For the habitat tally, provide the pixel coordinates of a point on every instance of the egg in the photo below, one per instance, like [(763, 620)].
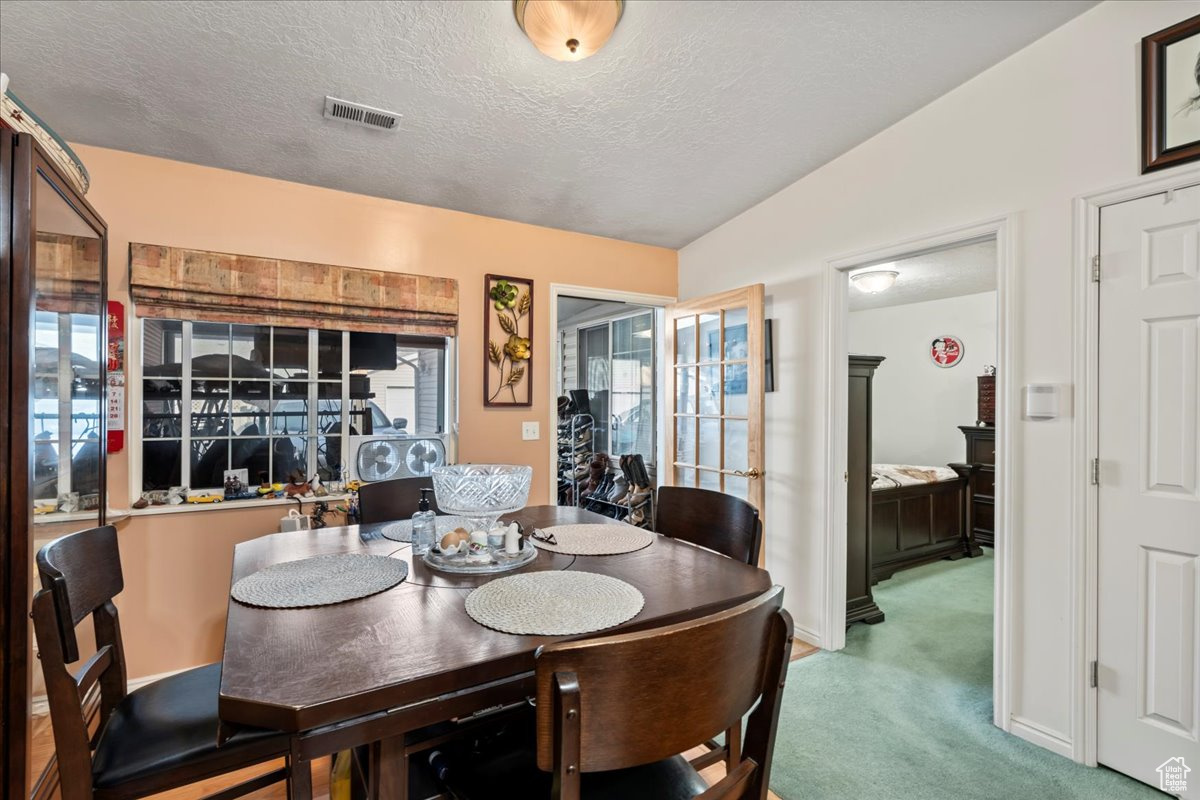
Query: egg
[(451, 541)]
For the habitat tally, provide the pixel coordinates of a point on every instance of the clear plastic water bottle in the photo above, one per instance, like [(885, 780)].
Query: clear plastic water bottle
[(424, 526)]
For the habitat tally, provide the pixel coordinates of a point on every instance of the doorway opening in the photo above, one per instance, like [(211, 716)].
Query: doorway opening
[(920, 432), (921, 418), (606, 420)]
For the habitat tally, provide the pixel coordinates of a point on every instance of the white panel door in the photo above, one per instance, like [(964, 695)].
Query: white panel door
[(1149, 494)]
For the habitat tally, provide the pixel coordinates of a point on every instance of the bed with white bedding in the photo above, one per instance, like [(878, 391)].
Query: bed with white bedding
[(918, 515)]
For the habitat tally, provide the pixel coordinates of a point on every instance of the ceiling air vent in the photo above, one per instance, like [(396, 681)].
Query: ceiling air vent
[(358, 114)]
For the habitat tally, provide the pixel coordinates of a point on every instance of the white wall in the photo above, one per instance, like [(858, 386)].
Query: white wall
[(918, 405), (1057, 120)]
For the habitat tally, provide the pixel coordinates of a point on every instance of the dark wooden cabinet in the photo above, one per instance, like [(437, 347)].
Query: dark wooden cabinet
[(860, 603), (53, 316), (981, 454)]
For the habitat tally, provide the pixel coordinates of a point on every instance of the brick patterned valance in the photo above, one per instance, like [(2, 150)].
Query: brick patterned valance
[(67, 279), (177, 283)]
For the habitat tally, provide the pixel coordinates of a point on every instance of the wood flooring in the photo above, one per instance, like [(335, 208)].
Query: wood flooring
[(43, 748)]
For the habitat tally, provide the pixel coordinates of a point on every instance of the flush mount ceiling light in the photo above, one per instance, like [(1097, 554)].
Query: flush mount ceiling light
[(568, 30), (874, 281)]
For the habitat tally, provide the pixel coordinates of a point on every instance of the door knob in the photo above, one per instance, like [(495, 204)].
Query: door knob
[(752, 473)]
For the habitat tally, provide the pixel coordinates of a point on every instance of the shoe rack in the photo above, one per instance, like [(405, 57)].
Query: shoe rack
[(627, 495), (574, 455)]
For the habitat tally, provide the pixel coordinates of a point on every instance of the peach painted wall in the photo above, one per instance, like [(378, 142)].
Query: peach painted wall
[(177, 566)]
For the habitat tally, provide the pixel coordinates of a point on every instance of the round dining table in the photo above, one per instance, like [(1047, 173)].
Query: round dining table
[(369, 671)]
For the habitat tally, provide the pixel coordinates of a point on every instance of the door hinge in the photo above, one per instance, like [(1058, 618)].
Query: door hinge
[(1095, 477), (1096, 268), (1094, 674)]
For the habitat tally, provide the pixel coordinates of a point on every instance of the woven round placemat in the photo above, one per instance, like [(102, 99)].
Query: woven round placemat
[(319, 581), (554, 603), (401, 530), (590, 539)]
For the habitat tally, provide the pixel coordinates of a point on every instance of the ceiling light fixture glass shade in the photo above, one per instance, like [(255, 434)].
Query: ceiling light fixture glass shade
[(568, 30), (875, 281)]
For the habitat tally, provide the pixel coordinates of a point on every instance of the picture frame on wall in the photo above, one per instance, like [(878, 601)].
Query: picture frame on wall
[(1171, 96), (508, 341)]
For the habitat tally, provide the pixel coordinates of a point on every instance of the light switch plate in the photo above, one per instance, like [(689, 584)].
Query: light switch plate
[(530, 431)]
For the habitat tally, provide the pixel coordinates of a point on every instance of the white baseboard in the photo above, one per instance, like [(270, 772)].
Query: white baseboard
[(1042, 736), (805, 634), (41, 705)]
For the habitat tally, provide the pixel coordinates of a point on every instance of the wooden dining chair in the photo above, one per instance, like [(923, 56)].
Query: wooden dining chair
[(158, 737), (384, 501), (613, 712), (724, 524), (720, 522)]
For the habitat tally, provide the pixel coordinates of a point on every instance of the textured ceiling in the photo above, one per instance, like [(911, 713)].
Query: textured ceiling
[(967, 269), (694, 112)]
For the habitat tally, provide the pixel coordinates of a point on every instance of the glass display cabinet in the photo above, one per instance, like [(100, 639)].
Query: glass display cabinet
[(53, 315)]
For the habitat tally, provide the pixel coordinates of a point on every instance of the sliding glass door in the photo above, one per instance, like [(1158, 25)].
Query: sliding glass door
[(614, 362)]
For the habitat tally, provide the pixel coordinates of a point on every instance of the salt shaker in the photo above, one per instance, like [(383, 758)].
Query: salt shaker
[(512, 539)]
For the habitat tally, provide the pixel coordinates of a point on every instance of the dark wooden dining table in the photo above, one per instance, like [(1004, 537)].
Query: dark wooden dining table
[(370, 670)]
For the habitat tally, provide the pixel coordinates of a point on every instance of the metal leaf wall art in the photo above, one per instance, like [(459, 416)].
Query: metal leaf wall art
[(508, 328)]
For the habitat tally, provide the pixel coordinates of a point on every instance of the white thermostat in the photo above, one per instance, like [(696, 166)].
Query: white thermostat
[(1041, 401)]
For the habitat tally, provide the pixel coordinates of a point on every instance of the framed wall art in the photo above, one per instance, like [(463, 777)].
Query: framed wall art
[(508, 334), (1171, 96)]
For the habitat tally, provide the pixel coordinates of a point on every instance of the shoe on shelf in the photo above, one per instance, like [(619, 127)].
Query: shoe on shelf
[(638, 495), (601, 492), (619, 489), (635, 517), (637, 466), (630, 478)]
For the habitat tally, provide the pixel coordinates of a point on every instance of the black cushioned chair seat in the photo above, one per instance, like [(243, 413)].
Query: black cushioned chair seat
[(170, 724), (511, 773)]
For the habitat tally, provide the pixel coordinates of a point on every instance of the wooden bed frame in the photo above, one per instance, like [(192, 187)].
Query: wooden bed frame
[(913, 525)]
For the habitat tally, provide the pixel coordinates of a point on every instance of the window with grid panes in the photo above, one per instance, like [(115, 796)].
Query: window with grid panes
[(277, 402)]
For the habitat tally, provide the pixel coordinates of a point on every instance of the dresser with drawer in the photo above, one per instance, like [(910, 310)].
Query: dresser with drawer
[(981, 452)]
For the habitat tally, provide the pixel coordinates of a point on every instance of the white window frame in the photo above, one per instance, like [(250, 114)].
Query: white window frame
[(134, 419)]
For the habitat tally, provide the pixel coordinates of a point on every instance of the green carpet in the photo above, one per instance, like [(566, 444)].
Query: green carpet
[(904, 712)]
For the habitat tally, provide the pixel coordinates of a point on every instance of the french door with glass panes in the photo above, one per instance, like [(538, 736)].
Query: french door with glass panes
[(715, 394)]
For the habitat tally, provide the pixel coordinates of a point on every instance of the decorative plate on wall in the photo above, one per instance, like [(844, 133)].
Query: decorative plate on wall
[(946, 351)]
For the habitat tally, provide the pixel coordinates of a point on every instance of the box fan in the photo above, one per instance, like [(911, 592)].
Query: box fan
[(384, 459)]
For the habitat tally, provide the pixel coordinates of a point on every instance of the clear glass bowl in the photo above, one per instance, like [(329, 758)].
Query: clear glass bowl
[(481, 492)]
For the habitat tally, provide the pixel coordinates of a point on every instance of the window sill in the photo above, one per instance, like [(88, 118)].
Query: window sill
[(65, 516), (184, 508)]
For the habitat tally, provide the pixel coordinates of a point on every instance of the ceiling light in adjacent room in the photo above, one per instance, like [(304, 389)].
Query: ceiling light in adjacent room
[(568, 30), (874, 281)]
